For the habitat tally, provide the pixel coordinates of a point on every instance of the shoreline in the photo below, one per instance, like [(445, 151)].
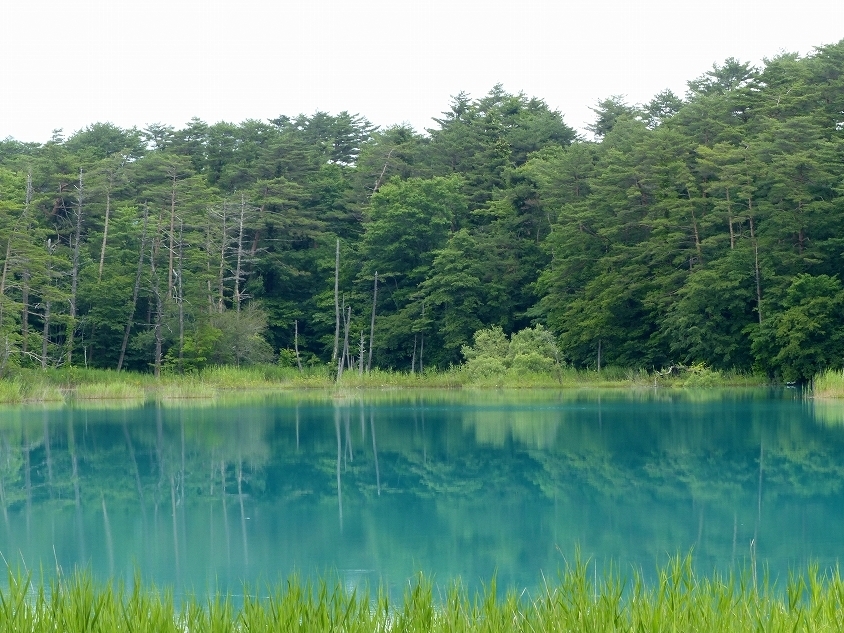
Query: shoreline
[(80, 385)]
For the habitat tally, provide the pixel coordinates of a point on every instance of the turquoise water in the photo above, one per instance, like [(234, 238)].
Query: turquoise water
[(377, 487)]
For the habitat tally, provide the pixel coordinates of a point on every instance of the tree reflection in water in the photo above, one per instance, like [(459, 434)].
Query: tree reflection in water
[(453, 484)]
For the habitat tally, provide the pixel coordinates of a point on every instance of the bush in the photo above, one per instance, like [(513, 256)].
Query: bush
[(532, 350)]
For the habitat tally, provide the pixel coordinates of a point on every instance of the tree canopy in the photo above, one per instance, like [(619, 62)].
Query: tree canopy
[(697, 229)]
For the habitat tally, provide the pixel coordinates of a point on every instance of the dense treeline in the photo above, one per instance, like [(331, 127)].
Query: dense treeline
[(703, 229)]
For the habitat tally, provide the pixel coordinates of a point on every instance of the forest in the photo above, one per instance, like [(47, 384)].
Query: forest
[(703, 229)]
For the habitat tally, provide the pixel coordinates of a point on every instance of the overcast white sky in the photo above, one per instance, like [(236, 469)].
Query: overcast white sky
[(69, 63)]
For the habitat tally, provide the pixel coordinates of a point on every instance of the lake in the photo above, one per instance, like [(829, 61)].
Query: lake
[(202, 496)]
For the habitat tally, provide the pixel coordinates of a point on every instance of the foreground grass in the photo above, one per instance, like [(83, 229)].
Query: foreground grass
[(829, 384), (679, 600), (58, 385)]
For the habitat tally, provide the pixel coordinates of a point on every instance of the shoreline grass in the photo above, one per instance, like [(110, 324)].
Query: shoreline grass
[(829, 384), (679, 599), (95, 385)]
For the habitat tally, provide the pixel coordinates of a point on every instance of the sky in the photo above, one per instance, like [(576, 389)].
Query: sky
[(70, 63)]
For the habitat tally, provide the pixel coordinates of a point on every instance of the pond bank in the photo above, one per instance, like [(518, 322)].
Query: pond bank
[(59, 385)]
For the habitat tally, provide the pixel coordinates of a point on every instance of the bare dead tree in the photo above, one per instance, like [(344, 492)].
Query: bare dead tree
[(156, 291), (222, 267), (342, 359), (422, 342), (241, 256), (380, 178), (336, 301), (180, 295), (111, 174), (173, 174), (74, 271), (296, 343), (46, 306), (413, 358)]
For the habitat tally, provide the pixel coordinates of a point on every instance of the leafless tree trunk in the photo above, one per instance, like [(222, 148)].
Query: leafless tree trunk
[(342, 359), (238, 271), (180, 296), (105, 223), (209, 248), (422, 342), (222, 270), (296, 343), (380, 178), (159, 308), (372, 322), (135, 291), (360, 355), (413, 358), (74, 271), (173, 174), (599, 356), (25, 277), (45, 334), (336, 301)]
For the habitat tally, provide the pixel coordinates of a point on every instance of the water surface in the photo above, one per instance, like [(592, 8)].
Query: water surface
[(381, 485)]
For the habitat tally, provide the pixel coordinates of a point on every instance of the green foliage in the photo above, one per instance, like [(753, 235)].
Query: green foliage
[(240, 340), (808, 335), (531, 351)]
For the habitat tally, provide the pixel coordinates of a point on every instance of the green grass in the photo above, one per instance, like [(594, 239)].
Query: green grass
[(98, 385), (678, 600), (829, 384)]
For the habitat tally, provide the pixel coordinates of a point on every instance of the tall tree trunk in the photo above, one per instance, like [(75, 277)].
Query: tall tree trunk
[(135, 290), (239, 259), (159, 308), (296, 343), (372, 322), (336, 301), (342, 357), (222, 270), (599, 356), (173, 173), (422, 341), (45, 333), (695, 230), (26, 274), (208, 276), (180, 296), (74, 271), (105, 223), (346, 327)]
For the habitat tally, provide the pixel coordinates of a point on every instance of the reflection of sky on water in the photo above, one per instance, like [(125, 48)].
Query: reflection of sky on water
[(456, 485)]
